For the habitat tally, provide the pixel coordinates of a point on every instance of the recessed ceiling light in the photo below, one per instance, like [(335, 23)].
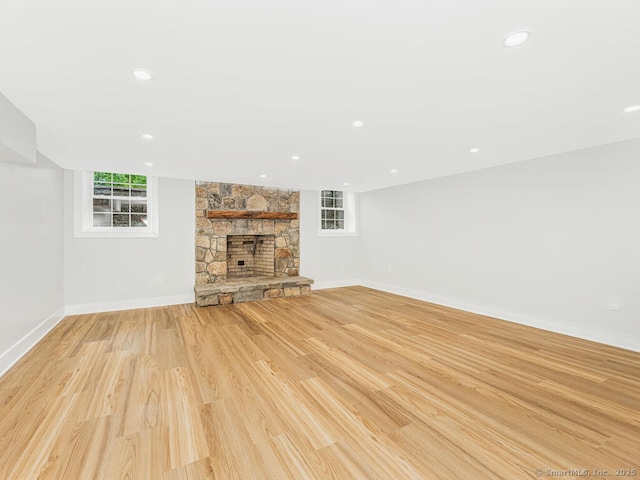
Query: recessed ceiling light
[(346, 184), (295, 157), (147, 136), (141, 74), (262, 175), (394, 170), (516, 38), (148, 164), (358, 124), (632, 108), (474, 150)]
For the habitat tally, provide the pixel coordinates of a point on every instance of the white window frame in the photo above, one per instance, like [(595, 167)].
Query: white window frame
[(350, 205), (83, 211)]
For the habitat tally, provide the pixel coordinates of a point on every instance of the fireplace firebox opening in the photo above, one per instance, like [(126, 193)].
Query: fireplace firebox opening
[(250, 256)]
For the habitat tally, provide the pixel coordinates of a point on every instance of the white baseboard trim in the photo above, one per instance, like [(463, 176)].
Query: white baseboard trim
[(335, 284), (26, 343), (551, 326), (129, 304)]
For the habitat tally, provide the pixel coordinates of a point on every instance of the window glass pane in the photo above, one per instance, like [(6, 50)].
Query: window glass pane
[(121, 220), (139, 191), (340, 224), (138, 220), (330, 214), (139, 206), (337, 194), (101, 205), (120, 205), (338, 203), (120, 190), (339, 214), (138, 179), (101, 220), (102, 177), (122, 178), (102, 189)]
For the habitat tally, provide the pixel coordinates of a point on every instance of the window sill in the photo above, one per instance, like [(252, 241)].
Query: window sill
[(113, 234), (337, 234)]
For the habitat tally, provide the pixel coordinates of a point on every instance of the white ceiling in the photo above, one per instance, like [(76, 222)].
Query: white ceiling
[(242, 85)]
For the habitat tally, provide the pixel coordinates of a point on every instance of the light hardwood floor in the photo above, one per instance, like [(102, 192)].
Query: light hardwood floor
[(348, 383)]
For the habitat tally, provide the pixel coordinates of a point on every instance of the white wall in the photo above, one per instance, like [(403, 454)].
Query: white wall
[(118, 273), (30, 255), (330, 261), (545, 242), (17, 135)]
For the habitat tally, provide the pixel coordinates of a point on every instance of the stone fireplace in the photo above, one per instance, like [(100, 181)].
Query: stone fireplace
[(247, 244)]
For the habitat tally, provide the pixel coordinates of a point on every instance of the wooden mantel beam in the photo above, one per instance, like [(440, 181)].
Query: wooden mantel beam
[(251, 214)]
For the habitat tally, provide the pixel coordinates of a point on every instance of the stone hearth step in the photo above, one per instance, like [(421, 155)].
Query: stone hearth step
[(251, 289)]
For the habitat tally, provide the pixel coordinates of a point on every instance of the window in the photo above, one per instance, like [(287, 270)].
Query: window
[(119, 200), (337, 213), (332, 210), (115, 205)]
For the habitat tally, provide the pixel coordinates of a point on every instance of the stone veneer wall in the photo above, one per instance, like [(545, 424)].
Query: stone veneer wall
[(211, 234)]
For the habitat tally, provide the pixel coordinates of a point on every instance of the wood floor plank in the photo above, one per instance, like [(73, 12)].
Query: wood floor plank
[(373, 410), (349, 366), (33, 458), (200, 470), (233, 454), (345, 384), (293, 404), (141, 408), (181, 415)]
